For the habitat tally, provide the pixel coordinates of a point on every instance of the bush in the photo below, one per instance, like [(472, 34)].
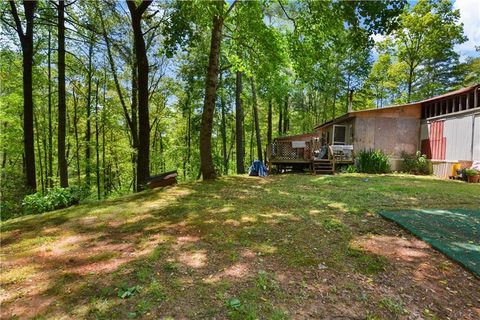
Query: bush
[(469, 172), (55, 198), (373, 161), (415, 163)]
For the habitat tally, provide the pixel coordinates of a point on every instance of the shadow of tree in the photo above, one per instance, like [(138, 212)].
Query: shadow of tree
[(185, 244)]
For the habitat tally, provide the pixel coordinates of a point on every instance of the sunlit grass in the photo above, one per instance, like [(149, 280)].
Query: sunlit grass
[(193, 250)]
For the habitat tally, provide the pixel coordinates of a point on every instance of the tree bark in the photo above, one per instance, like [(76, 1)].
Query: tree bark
[(206, 162), (88, 132), (269, 122), (224, 130), (39, 151), (410, 82), (280, 119), (134, 121), (285, 117), (62, 107), (75, 130), (97, 151), (26, 40), (143, 157), (255, 119), (240, 148), (50, 128)]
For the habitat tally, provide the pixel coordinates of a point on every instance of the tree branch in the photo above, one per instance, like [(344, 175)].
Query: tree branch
[(13, 10), (286, 14), (231, 7)]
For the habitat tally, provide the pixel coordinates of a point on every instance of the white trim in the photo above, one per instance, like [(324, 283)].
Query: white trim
[(453, 114), (333, 134)]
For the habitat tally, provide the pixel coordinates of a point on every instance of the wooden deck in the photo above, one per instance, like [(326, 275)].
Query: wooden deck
[(281, 155)]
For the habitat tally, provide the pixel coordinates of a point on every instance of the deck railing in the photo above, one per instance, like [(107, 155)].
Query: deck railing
[(284, 151)]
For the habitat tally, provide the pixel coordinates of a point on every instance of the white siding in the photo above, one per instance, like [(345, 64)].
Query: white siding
[(476, 139), (458, 133)]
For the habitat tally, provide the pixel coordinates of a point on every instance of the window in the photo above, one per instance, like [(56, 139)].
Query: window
[(339, 134)]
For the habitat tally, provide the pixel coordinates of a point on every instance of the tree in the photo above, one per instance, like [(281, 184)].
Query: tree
[(143, 164), (206, 162), (426, 37), (26, 41), (62, 104), (256, 121), (240, 147)]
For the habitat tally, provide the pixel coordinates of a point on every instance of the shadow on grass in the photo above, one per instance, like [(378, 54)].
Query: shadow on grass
[(188, 243)]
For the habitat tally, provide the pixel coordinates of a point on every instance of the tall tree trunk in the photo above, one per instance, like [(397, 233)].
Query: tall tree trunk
[(88, 131), (240, 148), (75, 131), (50, 127), (189, 134), (410, 82), (280, 119), (26, 40), (62, 107), (224, 130), (256, 122), (39, 151), (286, 119), (97, 151), (269, 122), (206, 162), (4, 153), (134, 110), (105, 190), (143, 158)]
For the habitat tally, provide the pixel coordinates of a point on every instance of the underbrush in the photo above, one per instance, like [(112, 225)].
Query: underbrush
[(415, 163), (55, 198)]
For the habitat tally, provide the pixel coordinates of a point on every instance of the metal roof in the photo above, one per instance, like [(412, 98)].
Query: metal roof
[(352, 113)]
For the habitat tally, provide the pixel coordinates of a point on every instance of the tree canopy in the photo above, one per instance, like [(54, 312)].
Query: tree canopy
[(114, 92)]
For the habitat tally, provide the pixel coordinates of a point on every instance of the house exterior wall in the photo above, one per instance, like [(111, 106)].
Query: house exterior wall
[(460, 140), (327, 132), (476, 140), (460, 136), (391, 135)]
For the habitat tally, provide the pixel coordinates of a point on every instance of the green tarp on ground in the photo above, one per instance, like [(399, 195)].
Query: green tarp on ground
[(455, 232)]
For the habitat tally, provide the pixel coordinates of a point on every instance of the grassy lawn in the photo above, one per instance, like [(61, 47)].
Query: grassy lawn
[(288, 246)]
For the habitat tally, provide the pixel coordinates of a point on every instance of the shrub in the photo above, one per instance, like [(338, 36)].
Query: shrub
[(55, 198), (415, 163), (471, 172), (373, 161)]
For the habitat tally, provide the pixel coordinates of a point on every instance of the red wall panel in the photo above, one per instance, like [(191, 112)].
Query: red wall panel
[(435, 146)]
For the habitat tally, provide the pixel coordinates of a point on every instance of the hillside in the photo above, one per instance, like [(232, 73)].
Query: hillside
[(288, 246)]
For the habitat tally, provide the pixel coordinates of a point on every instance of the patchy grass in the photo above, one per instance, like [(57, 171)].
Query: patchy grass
[(288, 246)]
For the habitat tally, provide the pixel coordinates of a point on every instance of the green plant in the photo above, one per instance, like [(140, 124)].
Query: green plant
[(415, 163), (393, 306), (351, 169), (471, 172), (55, 198), (373, 161), (127, 292)]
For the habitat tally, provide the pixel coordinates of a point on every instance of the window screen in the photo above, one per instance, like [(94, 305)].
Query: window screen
[(339, 134)]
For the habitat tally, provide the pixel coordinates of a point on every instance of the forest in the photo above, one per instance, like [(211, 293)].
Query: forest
[(100, 95)]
